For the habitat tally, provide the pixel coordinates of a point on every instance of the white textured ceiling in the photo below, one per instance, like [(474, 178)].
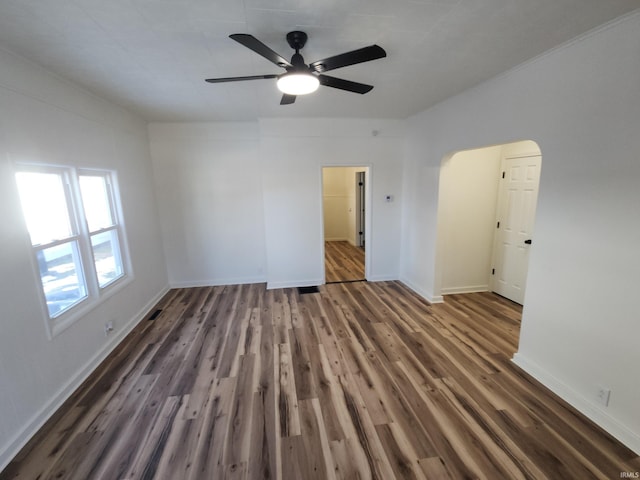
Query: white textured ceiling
[(152, 56)]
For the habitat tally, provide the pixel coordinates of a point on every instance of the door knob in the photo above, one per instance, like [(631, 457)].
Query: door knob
[(528, 242)]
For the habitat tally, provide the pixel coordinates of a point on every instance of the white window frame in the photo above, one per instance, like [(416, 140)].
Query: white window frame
[(95, 294)]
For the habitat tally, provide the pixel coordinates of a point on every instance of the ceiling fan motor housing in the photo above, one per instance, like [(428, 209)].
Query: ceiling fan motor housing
[(296, 40)]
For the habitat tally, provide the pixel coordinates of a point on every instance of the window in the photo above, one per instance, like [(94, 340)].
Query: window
[(102, 227), (76, 234)]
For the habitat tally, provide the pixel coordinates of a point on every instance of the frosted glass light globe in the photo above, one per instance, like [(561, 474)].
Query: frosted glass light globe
[(298, 83)]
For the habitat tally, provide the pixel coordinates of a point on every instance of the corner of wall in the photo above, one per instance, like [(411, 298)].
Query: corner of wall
[(428, 296)]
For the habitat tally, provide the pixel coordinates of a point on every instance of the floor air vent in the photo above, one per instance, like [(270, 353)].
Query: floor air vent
[(155, 314), (303, 290)]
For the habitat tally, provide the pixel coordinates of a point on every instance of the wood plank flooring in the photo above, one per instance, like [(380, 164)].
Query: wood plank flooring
[(343, 262), (360, 381)]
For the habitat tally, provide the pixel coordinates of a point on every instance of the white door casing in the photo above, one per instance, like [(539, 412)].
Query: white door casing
[(516, 212), (360, 208)]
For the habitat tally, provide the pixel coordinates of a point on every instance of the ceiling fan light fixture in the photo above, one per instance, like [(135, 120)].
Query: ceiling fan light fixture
[(302, 78), (298, 83)]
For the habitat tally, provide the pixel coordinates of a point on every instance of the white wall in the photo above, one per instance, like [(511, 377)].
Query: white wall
[(339, 203), (48, 120), (293, 152), (581, 104), (466, 218), (209, 189), (335, 204), (242, 202)]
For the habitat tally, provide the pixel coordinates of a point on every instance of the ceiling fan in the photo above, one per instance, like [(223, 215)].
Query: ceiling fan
[(300, 78)]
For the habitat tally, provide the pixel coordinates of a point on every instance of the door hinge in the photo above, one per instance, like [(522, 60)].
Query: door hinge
[(498, 225), (493, 271), (503, 174)]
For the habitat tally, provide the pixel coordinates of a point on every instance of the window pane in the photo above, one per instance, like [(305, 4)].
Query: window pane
[(95, 199), (44, 203), (61, 275), (106, 253)]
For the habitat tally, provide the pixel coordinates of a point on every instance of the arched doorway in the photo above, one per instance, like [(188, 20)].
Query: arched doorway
[(486, 212)]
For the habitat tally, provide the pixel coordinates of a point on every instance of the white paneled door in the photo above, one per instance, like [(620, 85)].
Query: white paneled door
[(515, 219)]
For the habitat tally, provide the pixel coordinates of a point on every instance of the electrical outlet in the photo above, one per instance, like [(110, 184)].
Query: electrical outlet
[(602, 395), (108, 327)]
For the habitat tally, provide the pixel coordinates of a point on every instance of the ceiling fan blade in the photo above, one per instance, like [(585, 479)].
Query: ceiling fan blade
[(343, 84), (287, 99), (366, 54), (239, 79), (260, 48)]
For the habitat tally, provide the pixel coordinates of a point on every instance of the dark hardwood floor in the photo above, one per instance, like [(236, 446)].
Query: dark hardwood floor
[(362, 380), (343, 262)]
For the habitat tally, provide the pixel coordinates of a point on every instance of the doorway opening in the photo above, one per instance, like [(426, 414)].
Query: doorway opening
[(344, 194), (486, 214)]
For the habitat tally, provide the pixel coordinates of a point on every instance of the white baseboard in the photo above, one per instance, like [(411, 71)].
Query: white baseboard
[(382, 278), (337, 239), (467, 289), (628, 437), (428, 296), (14, 445), (294, 284), (218, 282)]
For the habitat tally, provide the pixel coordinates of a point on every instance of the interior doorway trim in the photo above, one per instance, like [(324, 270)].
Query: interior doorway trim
[(368, 237)]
